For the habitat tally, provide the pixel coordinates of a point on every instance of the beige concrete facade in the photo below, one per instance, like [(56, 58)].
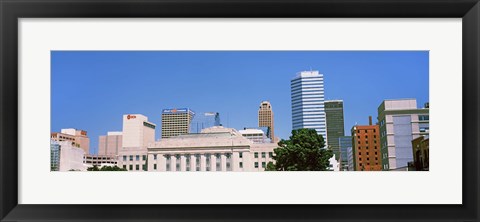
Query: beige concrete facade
[(133, 158), (137, 131), (100, 160), (71, 157), (400, 122), (110, 144)]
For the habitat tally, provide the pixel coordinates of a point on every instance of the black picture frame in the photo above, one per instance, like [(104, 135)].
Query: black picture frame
[(11, 11)]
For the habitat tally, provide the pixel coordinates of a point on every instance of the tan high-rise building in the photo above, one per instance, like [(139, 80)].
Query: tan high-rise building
[(176, 122), (110, 144), (265, 118)]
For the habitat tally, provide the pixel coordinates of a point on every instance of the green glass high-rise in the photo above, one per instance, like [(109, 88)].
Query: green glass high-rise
[(335, 125)]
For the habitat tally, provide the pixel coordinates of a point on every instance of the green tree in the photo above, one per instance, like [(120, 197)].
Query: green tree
[(304, 151), (106, 168)]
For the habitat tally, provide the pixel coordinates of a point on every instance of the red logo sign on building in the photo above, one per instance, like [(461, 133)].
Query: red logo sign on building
[(131, 117)]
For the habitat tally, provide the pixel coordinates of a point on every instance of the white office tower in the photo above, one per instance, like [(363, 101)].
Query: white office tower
[(137, 131), (308, 99)]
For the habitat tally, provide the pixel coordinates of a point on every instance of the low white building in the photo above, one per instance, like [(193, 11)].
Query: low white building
[(214, 149), (71, 158), (255, 135)]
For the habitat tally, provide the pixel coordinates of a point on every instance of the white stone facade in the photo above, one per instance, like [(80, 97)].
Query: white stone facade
[(215, 149)]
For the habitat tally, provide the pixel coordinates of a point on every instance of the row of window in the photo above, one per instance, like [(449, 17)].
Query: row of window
[(360, 153), (137, 158), (360, 158), (366, 136), (359, 147), (366, 131), (368, 164), (366, 141), (264, 154), (264, 165), (137, 167)]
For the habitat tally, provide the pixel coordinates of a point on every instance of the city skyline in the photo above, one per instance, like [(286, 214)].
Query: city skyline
[(232, 83)]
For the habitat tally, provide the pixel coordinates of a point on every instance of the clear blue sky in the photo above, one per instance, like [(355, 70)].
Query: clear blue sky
[(91, 90)]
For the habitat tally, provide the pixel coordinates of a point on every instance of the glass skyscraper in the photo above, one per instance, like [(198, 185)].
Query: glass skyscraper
[(308, 99), (204, 120), (54, 155), (345, 143)]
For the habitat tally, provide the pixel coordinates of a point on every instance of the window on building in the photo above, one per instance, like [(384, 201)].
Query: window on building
[(228, 155), (240, 164), (263, 155), (256, 154), (124, 158), (137, 167), (360, 159), (124, 166), (256, 164), (264, 164), (144, 167), (270, 154), (131, 157), (365, 131), (240, 155), (154, 166), (144, 157), (423, 117), (137, 157), (367, 153), (359, 142), (130, 167), (359, 153), (168, 167), (154, 156)]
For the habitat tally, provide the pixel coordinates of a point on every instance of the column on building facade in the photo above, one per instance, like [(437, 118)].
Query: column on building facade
[(213, 162), (203, 162), (235, 161), (151, 161), (247, 161), (173, 163), (183, 163), (161, 162), (193, 161), (223, 161)]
